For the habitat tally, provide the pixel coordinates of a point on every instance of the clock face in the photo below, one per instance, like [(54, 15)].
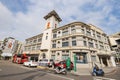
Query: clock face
[(48, 25)]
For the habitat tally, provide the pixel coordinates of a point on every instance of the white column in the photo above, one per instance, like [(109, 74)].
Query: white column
[(102, 62), (108, 62), (113, 61), (89, 60)]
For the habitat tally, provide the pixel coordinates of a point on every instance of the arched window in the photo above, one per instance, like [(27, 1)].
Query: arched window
[(43, 55)]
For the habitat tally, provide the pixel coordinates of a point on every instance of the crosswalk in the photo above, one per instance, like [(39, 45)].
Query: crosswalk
[(103, 78)]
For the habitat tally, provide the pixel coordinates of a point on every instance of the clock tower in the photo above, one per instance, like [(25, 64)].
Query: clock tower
[(52, 22)]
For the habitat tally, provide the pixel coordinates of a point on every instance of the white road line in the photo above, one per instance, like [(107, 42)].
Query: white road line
[(60, 76), (101, 78)]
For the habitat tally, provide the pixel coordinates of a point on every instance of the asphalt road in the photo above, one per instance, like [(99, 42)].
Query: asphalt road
[(12, 71)]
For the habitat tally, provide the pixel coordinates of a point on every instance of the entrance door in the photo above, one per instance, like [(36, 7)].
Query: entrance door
[(104, 61)]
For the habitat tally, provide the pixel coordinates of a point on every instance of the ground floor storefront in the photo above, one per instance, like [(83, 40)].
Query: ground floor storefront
[(84, 58), (33, 57)]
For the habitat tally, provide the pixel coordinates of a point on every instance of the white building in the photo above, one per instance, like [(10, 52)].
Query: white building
[(10, 47), (115, 45), (89, 43)]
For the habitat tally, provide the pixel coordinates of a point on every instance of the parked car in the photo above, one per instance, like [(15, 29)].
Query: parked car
[(30, 63), (64, 64), (46, 62)]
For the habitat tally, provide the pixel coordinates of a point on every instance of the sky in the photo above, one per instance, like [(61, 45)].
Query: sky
[(22, 19)]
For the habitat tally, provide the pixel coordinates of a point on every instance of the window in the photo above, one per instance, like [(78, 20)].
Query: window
[(29, 48), (31, 42), (59, 32), (93, 58), (65, 31), (35, 41), (83, 31), (99, 37), (90, 44), (40, 39), (46, 37), (74, 43), (101, 47), (53, 45), (88, 33), (58, 54), (64, 57), (73, 38), (64, 44), (96, 45), (58, 42), (33, 48), (27, 42), (54, 35), (55, 25), (25, 48), (81, 58), (73, 30), (85, 43), (38, 47), (53, 57), (43, 55)]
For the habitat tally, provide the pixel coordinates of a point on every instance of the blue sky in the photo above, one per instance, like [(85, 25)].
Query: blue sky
[(22, 19)]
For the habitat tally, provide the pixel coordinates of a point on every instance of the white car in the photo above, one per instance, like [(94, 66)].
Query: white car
[(46, 62), (31, 63)]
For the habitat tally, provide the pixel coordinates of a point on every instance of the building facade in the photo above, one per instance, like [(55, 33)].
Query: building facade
[(115, 45), (32, 46), (10, 46), (87, 42)]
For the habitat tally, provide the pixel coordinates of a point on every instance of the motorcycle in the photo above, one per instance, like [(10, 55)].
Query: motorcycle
[(60, 69)]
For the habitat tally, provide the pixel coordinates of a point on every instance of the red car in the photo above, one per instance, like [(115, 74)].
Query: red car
[(64, 64)]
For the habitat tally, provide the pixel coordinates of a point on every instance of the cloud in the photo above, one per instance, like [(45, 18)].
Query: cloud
[(25, 19)]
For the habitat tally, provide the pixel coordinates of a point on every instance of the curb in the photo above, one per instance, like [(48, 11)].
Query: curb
[(42, 67), (111, 72), (79, 74)]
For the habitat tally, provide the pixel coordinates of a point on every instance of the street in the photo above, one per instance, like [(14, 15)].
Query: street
[(10, 71)]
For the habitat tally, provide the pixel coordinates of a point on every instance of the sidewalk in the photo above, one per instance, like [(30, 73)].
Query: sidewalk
[(109, 70), (82, 71), (87, 71)]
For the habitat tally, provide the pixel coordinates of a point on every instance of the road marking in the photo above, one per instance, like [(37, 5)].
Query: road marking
[(60, 76), (103, 78)]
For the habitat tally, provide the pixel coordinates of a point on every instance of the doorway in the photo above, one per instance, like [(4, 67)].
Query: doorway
[(104, 61)]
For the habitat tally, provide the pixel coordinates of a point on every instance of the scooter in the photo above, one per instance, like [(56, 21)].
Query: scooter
[(97, 72), (60, 69)]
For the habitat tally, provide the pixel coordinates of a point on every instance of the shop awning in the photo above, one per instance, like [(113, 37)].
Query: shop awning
[(6, 54)]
